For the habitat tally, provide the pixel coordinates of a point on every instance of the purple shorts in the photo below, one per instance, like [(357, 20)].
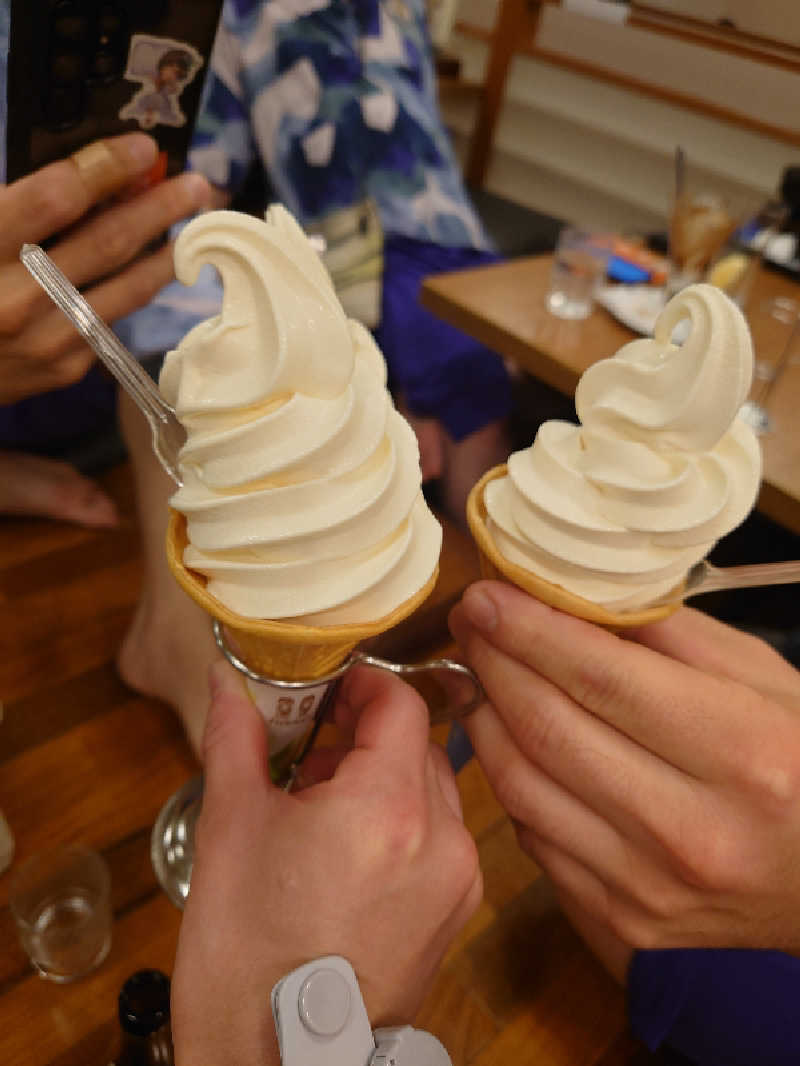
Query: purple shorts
[(441, 372), (55, 420), (717, 1007)]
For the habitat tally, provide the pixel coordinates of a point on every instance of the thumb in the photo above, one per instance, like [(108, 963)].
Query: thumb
[(235, 746)]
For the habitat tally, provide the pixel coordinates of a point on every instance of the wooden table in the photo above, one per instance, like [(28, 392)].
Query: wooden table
[(85, 759), (503, 306)]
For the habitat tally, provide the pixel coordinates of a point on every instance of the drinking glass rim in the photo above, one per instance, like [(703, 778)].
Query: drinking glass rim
[(45, 864)]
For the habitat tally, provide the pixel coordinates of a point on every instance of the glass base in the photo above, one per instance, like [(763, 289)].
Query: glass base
[(60, 978), (571, 308), (172, 840)]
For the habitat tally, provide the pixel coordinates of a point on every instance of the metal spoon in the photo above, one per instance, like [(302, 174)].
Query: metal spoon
[(168, 433)]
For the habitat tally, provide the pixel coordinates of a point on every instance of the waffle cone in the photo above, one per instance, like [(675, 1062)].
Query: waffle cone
[(494, 565), (286, 651)]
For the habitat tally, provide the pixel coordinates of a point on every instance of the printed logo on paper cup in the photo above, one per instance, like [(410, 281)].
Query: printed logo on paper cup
[(289, 714)]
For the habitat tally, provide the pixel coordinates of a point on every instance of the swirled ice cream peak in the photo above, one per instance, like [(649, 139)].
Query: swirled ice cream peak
[(280, 317), (301, 481), (618, 508), (674, 396)]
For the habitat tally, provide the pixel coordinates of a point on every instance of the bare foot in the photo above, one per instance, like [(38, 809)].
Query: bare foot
[(169, 647), (33, 485), (166, 654)]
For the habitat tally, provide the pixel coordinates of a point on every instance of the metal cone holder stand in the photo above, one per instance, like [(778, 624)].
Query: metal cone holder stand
[(294, 712)]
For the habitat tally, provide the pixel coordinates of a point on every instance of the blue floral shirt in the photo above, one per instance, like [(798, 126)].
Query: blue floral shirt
[(338, 98)]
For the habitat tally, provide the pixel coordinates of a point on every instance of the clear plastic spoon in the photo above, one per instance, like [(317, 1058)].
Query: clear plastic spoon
[(704, 577), (168, 433)]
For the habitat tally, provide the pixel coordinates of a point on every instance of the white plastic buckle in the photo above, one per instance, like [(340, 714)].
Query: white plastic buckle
[(320, 1017)]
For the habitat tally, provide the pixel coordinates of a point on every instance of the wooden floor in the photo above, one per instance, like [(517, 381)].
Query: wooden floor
[(83, 758)]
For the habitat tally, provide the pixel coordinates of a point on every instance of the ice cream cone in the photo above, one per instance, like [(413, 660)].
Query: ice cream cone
[(285, 651), (494, 565)]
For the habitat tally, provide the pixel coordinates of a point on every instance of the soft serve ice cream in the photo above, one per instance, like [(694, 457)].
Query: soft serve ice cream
[(301, 482), (617, 509)]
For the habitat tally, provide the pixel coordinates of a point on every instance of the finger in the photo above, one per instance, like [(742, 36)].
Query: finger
[(444, 779), (540, 806), (55, 196), (23, 377), (524, 791), (572, 879), (320, 764), (55, 354), (235, 747), (451, 842), (114, 236), (389, 718), (701, 641), (672, 710), (133, 287), (640, 928), (645, 798)]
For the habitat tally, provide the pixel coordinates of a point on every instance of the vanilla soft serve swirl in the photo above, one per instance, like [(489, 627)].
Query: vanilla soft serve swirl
[(617, 509), (301, 482)]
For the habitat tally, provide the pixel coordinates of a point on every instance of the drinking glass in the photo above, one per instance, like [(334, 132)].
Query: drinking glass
[(770, 322), (580, 262), (756, 409), (705, 212), (738, 264), (61, 904)]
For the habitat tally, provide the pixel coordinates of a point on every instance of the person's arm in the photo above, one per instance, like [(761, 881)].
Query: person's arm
[(655, 778), (97, 238), (372, 863)]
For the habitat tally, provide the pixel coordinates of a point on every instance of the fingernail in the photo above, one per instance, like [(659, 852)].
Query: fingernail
[(218, 679), (480, 609), (141, 149)]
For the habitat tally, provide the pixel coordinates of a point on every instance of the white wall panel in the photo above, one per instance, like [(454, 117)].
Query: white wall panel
[(582, 148)]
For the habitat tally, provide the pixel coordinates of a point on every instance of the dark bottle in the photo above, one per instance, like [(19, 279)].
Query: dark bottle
[(146, 1039)]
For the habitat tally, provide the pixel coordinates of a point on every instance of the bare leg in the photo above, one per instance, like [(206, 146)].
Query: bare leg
[(169, 646), (466, 461), (458, 464), (429, 433), (34, 485)]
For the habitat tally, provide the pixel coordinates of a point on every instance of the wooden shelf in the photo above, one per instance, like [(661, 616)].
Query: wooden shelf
[(722, 36), (515, 33)]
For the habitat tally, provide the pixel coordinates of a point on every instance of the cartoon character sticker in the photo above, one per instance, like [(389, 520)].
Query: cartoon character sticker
[(164, 68)]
